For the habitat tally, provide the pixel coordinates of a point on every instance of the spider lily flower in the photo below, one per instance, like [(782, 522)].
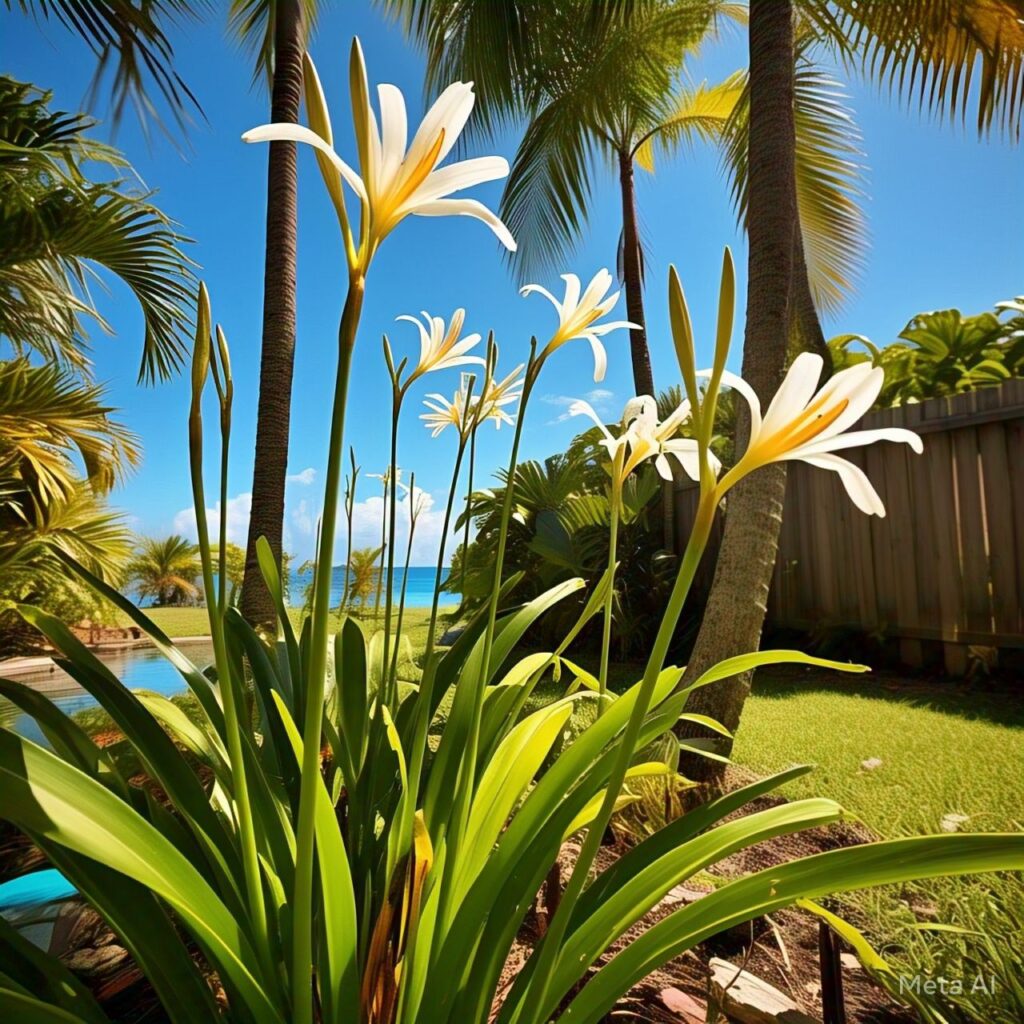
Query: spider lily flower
[(496, 395), (440, 346), (397, 178), (443, 414), (809, 423), (643, 438), (578, 315), (385, 479)]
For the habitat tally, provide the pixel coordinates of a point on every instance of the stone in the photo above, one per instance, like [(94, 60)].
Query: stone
[(952, 822), (78, 926), (849, 962), (683, 894), (746, 998), (685, 1007), (92, 962), (871, 764)]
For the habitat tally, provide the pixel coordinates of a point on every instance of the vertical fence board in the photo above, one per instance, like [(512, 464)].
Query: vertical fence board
[(946, 562)]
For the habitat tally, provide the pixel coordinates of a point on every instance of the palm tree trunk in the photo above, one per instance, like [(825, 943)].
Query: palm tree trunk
[(736, 605), (632, 273), (806, 331), (270, 465)]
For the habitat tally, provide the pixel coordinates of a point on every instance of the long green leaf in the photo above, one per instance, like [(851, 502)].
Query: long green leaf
[(44, 795), (856, 867)]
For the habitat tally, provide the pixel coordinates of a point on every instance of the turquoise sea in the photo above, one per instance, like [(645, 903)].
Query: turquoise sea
[(419, 591)]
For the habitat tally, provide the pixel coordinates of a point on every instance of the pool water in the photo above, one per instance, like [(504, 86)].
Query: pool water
[(140, 668)]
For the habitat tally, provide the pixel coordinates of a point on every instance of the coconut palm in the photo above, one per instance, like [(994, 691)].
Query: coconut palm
[(939, 54), (595, 82), (362, 574), (164, 570), (56, 226)]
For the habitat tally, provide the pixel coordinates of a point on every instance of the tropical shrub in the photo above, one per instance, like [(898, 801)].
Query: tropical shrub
[(387, 882), (943, 353)]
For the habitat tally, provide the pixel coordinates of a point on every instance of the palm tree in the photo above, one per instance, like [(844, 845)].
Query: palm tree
[(278, 31), (594, 81), (164, 570), (930, 51), (56, 224), (362, 574)]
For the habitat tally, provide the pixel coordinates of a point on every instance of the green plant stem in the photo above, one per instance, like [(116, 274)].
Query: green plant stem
[(302, 907), (383, 549), (467, 776), (534, 1003), (389, 696), (426, 692), (469, 508), (393, 670), (613, 536), (232, 726)]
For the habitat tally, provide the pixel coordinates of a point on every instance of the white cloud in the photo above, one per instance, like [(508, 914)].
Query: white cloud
[(368, 521), (237, 516), (305, 477), (599, 398)]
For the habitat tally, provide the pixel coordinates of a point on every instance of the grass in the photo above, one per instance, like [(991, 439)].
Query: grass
[(944, 749), (179, 622)]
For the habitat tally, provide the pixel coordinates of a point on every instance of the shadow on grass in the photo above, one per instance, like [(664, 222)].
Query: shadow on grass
[(984, 700)]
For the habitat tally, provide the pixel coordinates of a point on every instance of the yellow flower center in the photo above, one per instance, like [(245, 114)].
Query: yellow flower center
[(808, 425), (416, 177)]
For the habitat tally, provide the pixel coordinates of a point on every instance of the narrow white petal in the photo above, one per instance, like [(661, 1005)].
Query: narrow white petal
[(449, 112), (468, 208), (600, 358), (451, 361), (393, 129), (853, 478), (860, 391), (581, 408), (424, 336), (689, 459), (614, 325), (597, 289), (856, 438), (572, 295), (795, 391), (739, 384), (458, 176), (663, 468), (529, 289), (281, 132)]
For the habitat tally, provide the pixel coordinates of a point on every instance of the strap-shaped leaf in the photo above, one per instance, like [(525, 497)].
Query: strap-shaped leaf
[(45, 796), (855, 867)]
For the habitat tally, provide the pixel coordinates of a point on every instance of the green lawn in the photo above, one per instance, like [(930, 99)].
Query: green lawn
[(178, 622), (944, 749)]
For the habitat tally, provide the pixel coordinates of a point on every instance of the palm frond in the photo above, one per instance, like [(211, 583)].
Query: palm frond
[(691, 114), (829, 180), (56, 227), (128, 38), (944, 55), (253, 23), (48, 416)]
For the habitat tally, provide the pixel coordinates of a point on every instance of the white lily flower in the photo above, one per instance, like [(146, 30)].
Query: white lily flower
[(496, 395), (385, 479), (578, 315), (440, 346), (444, 414), (809, 424), (643, 437), (394, 181)]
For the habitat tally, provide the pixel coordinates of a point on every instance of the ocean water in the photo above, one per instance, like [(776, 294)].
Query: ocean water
[(419, 592)]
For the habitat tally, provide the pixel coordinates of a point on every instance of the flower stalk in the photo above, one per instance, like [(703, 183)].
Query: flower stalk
[(302, 942)]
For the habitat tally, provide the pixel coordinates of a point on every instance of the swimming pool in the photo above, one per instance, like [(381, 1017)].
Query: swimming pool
[(139, 668)]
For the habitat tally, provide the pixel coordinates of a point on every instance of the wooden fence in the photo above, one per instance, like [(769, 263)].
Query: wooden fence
[(947, 561)]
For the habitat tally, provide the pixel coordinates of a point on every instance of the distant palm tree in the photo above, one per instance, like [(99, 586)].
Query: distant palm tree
[(362, 575), (165, 569), (593, 80)]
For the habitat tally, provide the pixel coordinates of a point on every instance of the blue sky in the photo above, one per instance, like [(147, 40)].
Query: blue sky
[(945, 221)]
